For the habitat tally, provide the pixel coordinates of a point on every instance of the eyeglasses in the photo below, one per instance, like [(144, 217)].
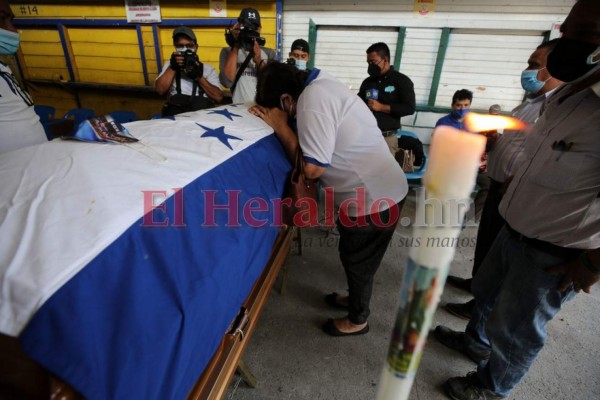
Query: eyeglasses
[(190, 46), (375, 62)]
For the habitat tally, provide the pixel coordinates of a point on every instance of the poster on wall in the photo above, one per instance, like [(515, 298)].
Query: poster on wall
[(218, 8), (142, 11), (424, 7)]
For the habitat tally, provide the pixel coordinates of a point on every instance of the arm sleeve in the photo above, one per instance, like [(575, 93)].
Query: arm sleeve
[(362, 91), (165, 66), (406, 103), (316, 135), (211, 76), (222, 58), (271, 54)]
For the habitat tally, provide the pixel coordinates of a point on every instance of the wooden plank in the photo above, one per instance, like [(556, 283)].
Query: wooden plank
[(109, 63), (104, 35), (96, 10), (39, 36), (116, 77), (46, 49), (44, 61)]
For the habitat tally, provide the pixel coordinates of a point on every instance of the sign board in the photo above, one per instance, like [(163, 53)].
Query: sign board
[(218, 8), (424, 7), (142, 11)]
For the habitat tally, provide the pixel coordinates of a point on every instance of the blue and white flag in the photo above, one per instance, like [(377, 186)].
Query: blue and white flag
[(121, 271)]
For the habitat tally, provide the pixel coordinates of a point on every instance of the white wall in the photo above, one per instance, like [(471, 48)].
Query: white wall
[(489, 44)]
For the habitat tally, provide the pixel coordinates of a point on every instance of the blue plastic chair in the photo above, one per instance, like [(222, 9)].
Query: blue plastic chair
[(78, 115), (123, 117), (46, 114), (419, 172)]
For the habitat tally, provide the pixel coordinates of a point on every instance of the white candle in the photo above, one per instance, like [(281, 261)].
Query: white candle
[(450, 177)]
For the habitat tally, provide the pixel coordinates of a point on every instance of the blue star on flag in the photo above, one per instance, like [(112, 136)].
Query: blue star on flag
[(218, 133), (225, 112)]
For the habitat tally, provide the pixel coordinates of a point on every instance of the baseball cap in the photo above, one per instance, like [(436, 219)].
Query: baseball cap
[(249, 17), (300, 44), (184, 30)]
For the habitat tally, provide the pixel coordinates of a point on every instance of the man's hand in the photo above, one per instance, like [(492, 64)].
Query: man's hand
[(576, 273), (195, 72), (257, 54), (274, 117), (176, 60), (374, 105)]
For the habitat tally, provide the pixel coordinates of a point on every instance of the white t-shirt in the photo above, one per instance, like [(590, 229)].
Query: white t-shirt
[(336, 130), (19, 124), (245, 90), (187, 84)]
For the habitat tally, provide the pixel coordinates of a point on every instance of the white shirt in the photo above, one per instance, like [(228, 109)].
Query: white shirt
[(337, 130), (19, 124), (187, 84), (245, 90)]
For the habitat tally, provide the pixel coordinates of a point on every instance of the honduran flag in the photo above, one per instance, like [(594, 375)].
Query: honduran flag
[(122, 265)]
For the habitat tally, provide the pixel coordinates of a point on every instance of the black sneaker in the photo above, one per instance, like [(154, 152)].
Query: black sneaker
[(468, 388), (456, 341), (461, 310), (458, 282)]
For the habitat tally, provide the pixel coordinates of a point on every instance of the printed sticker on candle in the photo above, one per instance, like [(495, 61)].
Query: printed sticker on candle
[(417, 295)]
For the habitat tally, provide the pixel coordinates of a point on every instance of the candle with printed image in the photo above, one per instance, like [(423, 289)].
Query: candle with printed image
[(450, 177)]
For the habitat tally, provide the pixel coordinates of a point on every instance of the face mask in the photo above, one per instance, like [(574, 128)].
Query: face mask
[(572, 60), (9, 42), (530, 82), (460, 114), (301, 65), (374, 70)]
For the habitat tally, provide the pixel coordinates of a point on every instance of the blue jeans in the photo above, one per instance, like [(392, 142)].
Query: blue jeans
[(515, 299)]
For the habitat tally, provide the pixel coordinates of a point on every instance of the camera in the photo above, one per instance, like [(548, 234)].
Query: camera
[(190, 59), (248, 36)]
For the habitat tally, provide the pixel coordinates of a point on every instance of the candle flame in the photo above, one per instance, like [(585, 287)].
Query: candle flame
[(482, 122)]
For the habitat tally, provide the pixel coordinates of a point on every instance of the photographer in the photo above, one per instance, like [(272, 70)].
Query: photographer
[(240, 62), (190, 84)]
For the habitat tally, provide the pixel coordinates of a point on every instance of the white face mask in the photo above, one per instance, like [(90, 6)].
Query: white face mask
[(9, 42), (300, 64)]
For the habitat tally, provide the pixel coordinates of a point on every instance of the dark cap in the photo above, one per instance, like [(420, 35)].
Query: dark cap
[(184, 30), (249, 17), (300, 44)]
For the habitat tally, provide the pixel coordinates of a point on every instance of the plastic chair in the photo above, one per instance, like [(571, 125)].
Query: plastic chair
[(123, 117), (78, 115), (420, 171), (46, 113)]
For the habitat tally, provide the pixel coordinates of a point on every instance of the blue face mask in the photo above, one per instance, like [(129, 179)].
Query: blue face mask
[(9, 42), (460, 114), (530, 82), (301, 65)]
